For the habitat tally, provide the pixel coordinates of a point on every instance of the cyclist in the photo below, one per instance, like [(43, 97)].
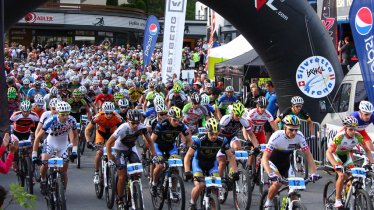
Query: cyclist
[(339, 153), (123, 105), (124, 139), (212, 109), (25, 87), (277, 154), (38, 106), (204, 163), (164, 136), (102, 97), (47, 114), (53, 93), (364, 118), (177, 98), (37, 89), (58, 127), (296, 109), (13, 104), (258, 116), (162, 112), (107, 122), (194, 112), (226, 99), (78, 105)]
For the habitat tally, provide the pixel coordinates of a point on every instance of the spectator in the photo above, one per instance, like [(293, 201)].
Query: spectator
[(346, 47), (5, 166), (253, 95), (272, 107)]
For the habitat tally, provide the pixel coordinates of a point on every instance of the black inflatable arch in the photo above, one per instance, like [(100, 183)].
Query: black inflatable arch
[(283, 32)]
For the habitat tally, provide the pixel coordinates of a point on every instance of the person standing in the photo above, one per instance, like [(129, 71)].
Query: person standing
[(272, 106), (253, 95)]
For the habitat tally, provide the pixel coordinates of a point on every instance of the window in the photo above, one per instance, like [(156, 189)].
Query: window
[(360, 94), (341, 100)]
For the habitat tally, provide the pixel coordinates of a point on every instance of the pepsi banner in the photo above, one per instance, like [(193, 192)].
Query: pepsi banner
[(361, 21), (150, 37)]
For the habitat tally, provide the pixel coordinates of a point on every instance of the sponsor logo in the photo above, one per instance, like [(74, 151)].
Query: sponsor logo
[(315, 77), (153, 29), (364, 21), (259, 4), (176, 5), (31, 17)]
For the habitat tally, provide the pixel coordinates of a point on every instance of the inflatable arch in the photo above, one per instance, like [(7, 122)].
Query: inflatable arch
[(288, 36)]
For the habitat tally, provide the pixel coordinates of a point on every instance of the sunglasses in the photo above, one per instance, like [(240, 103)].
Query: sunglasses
[(134, 123), (123, 107), (293, 129), (262, 107), (64, 114), (196, 103), (298, 106), (109, 113), (162, 114), (213, 134), (351, 129), (366, 114)]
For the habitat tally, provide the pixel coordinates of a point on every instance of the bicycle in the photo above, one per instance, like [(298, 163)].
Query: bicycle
[(369, 180), (208, 197), (25, 171), (292, 200), (55, 195), (168, 180), (299, 163), (105, 180), (81, 138), (353, 186)]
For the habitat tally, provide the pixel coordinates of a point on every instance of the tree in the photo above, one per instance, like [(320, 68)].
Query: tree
[(190, 12), (112, 2)]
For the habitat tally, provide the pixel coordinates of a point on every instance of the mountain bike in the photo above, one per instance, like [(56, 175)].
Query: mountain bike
[(81, 138), (170, 186), (25, 171), (55, 195), (353, 186), (208, 199)]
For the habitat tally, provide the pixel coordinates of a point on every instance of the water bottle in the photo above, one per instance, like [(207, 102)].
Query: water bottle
[(284, 201)]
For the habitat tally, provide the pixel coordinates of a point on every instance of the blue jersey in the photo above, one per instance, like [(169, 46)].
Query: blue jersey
[(150, 112), (210, 108), (224, 101), (272, 105), (362, 124), (32, 92), (55, 128)]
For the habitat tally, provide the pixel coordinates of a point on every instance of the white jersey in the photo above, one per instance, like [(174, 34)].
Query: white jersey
[(126, 137), (258, 120), (229, 126), (280, 142), (45, 116)]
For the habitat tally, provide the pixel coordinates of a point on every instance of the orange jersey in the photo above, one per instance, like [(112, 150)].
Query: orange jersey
[(107, 125), (22, 124), (39, 113)]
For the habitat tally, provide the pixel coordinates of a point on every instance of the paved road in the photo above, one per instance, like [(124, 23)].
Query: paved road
[(81, 195)]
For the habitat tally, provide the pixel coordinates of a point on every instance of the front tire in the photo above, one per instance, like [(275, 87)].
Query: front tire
[(329, 195), (243, 199), (298, 206), (29, 183), (111, 189), (137, 195), (61, 200), (99, 188), (178, 202), (362, 200), (214, 203)]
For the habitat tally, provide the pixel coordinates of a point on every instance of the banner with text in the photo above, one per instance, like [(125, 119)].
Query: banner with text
[(361, 21), (328, 18), (175, 15), (151, 31)]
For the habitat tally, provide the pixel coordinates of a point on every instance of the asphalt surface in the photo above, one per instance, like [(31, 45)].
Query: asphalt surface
[(80, 192)]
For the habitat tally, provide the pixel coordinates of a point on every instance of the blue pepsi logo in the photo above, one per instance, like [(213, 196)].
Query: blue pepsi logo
[(364, 21), (153, 29)]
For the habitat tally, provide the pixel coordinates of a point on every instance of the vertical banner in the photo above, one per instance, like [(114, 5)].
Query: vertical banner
[(361, 21), (328, 18), (211, 36), (152, 28), (175, 16)]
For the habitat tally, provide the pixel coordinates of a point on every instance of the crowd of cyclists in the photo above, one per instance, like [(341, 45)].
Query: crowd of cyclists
[(48, 99)]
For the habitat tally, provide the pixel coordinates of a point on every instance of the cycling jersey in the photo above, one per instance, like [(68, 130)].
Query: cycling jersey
[(107, 125), (289, 111), (22, 124), (45, 116), (103, 98), (166, 133), (192, 116), (224, 101), (177, 101), (343, 144), (126, 137), (150, 112), (77, 106), (362, 125), (229, 127), (258, 120), (38, 112)]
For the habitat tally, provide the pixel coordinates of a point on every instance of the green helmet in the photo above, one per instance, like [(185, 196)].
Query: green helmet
[(238, 108), (12, 92), (118, 95), (77, 93), (177, 88)]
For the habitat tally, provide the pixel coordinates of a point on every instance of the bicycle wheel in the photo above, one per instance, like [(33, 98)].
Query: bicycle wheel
[(99, 187), (137, 195), (329, 195), (214, 203), (178, 201), (111, 189), (369, 185), (82, 141), (158, 201), (296, 205), (242, 190), (79, 156), (21, 172), (362, 200), (224, 191), (263, 201), (60, 191), (29, 183), (300, 164)]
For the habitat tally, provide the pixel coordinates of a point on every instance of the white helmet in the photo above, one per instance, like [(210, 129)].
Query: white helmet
[(297, 100), (108, 107), (105, 82), (75, 78), (53, 102), (26, 81), (83, 90), (53, 91), (229, 89), (25, 106), (366, 106), (112, 83), (157, 100), (205, 99), (123, 102), (63, 106), (95, 83), (108, 75), (39, 101), (161, 108)]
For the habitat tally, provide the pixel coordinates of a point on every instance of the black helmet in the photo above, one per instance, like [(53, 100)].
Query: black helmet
[(159, 88), (195, 98), (134, 115), (262, 101)]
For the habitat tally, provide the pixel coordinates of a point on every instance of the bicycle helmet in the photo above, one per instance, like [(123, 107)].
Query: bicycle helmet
[(105, 82), (177, 88), (12, 93), (297, 100), (229, 89), (159, 88), (118, 95), (262, 101), (134, 115), (112, 83), (186, 85), (238, 108), (175, 112), (75, 78), (53, 102), (366, 106), (53, 91), (108, 107), (195, 98), (208, 85), (350, 121), (161, 108), (151, 84), (26, 81), (77, 93), (39, 101), (25, 106), (95, 83), (212, 125), (63, 106), (123, 102), (291, 120), (158, 99), (205, 99), (83, 90)]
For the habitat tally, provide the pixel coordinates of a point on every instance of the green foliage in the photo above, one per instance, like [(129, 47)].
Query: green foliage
[(18, 195), (190, 12), (112, 2)]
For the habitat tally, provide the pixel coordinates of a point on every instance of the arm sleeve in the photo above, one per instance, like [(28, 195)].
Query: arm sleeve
[(5, 166)]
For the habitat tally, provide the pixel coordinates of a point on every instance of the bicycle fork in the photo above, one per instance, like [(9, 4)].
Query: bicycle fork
[(132, 193)]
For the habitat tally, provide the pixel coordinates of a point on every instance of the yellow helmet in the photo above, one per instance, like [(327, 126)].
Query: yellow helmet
[(291, 120), (238, 108), (175, 112), (177, 88), (212, 125)]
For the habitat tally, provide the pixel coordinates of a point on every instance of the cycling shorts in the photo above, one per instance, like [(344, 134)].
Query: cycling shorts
[(52, 150), (101, 137), (261, 138), (131, 155), (344, 160), (16, 136), (166, 150), (284, 172), (201, 168), (232, 140)]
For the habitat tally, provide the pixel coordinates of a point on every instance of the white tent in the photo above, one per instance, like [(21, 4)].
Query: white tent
[(236, 47)]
